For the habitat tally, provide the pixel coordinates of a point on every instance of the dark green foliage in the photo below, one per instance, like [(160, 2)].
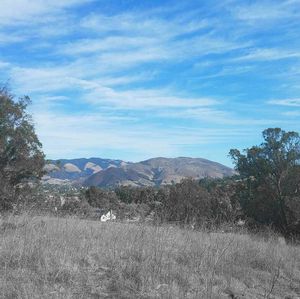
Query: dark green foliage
[(225, 207), (270, 176), (209, 201), (21, 156), (99, 198), (186, 202), (129, 194), (124, 193), (136, 202)]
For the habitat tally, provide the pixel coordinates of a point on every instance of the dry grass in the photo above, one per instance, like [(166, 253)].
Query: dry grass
[(43, 257)]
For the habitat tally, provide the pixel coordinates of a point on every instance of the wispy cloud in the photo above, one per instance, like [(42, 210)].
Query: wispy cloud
[(4, 65), (74, 135), (95, 93), (11, 38), (217, 116), (286, 102), (267, 10), (149, 78), (143, 99), (269, 54), (20, 11), (292, 113), (125, 23)]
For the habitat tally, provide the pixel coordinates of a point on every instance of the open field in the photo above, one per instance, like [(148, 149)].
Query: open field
[(44, 257)]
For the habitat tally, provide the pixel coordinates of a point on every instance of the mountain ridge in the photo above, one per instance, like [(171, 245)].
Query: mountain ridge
[(151, 172)]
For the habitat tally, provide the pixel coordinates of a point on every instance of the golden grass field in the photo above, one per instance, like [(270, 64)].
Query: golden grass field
[(48, 257)]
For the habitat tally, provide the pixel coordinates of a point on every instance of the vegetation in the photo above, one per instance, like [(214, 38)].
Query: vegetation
[(204, 204), (21, 157), (266, 191), (97, 197), (43, 257), (62, 257), (270, 191)]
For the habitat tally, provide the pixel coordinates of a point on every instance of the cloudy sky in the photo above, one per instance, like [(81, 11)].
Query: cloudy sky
[(135, 79)]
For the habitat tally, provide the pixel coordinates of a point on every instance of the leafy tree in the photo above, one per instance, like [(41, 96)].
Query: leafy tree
[(269, 191), (21, 156), (137, 195), (187, 202), (99, 198), (224, 206), (124, 194)]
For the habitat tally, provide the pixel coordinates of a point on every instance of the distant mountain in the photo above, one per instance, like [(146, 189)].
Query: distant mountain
[(152, 172), (158, 171), (66, 171)]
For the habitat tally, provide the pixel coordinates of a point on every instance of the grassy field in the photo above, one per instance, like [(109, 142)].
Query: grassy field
[(44, 257)]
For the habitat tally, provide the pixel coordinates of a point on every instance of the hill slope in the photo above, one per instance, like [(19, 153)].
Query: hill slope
[(76, 170), (156, 262), (157, 171)]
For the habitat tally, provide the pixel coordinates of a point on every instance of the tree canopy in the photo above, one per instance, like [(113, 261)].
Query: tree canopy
[(21, 156), (270, 192)]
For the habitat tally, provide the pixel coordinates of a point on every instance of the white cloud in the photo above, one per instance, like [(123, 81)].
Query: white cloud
[(267, 10), (110, 43), (83, 134), (118, 43), (231, 70), (4, 64), (20, 11), (292, 113), (8, 38), (96, 93), (143, 98), (141, 24), (286, 102), (120, 53), (120, 67), (41, 79), (130, 49), (268, 55), (216, 116)]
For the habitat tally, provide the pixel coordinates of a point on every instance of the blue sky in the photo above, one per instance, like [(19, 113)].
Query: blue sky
[(139, 79)]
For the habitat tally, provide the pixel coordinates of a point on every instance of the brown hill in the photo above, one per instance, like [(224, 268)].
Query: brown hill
[(158, 171)]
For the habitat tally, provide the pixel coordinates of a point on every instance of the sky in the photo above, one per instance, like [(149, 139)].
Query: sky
[(131, 79)]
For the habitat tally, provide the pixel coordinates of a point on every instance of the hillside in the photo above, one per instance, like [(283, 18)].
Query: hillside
[(152, 172), (66, 171), (158, 171), (52, 257)]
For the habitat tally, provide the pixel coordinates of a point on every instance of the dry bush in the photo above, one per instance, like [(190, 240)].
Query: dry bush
[(43, 257)]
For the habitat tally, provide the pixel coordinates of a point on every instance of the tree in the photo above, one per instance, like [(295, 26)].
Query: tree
[(187, 202), (99, 198), (270, 173), (224, 206), (21, 156)]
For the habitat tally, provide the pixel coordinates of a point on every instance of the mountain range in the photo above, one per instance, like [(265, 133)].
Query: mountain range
[(110, 173)]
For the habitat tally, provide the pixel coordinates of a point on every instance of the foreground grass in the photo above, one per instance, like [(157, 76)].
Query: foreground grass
[(43, 257)]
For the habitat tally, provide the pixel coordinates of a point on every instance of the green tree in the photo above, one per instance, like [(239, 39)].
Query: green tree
[(269, 191), (21, 156), (186, 202), (99, 198), (224, 206)]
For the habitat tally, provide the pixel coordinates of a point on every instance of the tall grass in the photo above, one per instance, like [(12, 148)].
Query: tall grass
[(44, 257)]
